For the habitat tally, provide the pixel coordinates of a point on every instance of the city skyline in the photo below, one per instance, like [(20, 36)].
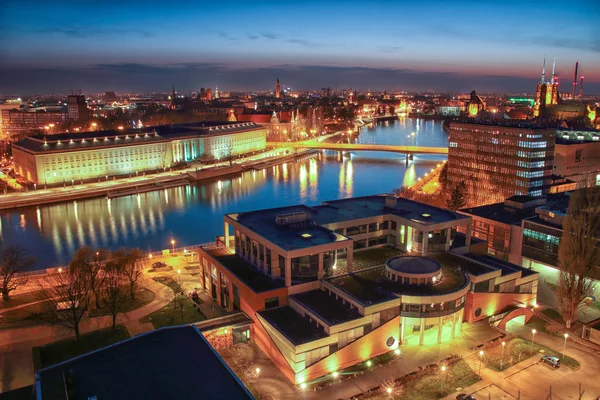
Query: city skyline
[(437, 46)]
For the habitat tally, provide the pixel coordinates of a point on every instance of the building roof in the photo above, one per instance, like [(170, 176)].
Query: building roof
[(292, 325), (326, 307), (168, 363), (291, 237), (253, 278), (118, 138)]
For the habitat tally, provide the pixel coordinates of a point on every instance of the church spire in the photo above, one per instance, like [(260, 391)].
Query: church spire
[(553, 69), (544, 71)]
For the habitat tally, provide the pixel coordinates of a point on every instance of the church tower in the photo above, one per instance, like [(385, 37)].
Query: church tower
[(277, 89)]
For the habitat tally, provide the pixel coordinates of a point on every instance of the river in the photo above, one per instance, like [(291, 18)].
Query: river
[(194, 214)]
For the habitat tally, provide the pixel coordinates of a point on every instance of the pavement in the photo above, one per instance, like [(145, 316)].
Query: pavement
[(532, 379)]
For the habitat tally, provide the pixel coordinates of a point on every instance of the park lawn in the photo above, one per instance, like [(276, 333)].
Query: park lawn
[(432, 386), (22, 316), (19, 299), (142, 297), (169, 316), (62, 350), (517, 350)]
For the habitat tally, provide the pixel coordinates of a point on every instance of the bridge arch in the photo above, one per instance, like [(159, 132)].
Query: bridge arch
[(520, 314)]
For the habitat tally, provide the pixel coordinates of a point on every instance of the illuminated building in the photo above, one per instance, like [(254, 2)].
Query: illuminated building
[(501, 159), (319, 306), (277, 89), (15, 122), (77, 109), (577, 155), (475, 105), (66, 157), (546, 93)]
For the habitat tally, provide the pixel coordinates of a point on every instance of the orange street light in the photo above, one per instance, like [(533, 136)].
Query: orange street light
[(173, 244)]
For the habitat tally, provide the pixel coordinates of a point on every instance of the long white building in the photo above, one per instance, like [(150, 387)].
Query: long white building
[(90, 155)]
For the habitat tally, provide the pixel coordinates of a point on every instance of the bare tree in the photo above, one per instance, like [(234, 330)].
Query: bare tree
[(130, 267), (91, 263), (113, 294), (13, 262), (578, 252), (228, 156), (65, 299)]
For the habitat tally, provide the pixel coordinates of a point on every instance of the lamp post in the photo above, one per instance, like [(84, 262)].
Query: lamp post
[(566, 335), (443, 376), (173, 244), (389, 391), (533, 331), (502, 357), (480, 361), (257, 372), (97, 256), (179, 274)]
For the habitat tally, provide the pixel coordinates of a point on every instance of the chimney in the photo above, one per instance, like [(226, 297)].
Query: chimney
[(390, 202), (575, 81), (581, 88)]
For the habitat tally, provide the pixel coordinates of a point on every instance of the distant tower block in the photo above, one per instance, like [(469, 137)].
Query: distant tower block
[(217, 92), (277, 89)]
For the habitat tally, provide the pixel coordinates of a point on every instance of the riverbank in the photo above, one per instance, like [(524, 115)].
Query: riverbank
[(147, 183)]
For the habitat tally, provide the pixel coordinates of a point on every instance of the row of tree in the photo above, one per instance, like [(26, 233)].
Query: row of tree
[(94, 278)]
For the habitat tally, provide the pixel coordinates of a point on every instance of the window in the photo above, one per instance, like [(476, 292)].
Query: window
[(578, 155), (272, 302)]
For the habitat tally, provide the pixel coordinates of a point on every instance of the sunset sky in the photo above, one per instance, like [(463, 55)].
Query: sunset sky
[(57, 46)]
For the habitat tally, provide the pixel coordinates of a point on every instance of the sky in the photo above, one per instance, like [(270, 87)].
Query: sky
[(439, 45)]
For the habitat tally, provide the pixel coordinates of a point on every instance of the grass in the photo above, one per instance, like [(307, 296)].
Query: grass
[(554, 315), (62, 350), (433, 386), (20, 299), (22, 316), (170, 315), (142, 298), (517, 350)]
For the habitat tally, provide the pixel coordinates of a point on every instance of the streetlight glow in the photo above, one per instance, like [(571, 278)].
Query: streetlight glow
[(303, 386), (369, 363), (336, 374), (389, 390)]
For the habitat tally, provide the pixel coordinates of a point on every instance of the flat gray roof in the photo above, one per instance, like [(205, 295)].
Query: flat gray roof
[(288, 237)]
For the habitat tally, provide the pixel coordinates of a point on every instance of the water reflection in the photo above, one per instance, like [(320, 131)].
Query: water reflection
[(193, 214)]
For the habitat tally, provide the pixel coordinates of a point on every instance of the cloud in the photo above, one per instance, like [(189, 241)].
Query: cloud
[(75, 31), (302, 42), (138, 77), (268, 35)]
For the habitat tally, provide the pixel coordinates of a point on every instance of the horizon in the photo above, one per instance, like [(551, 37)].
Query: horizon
[(396, 46)]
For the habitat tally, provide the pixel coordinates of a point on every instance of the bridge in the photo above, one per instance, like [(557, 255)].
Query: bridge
[(409, 150)]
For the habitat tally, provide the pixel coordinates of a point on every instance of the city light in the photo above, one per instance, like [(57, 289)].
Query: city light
[(335, 374), (303, 386)]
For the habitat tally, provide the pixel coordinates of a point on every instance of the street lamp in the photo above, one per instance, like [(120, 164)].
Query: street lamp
[(566, 335), (480, 361), (444, 375), (533, 332), (389, 391), (179, 273), (97, 256), (173, 244), (502, 359)]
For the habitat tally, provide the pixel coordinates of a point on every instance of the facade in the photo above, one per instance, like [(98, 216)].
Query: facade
[(77, 109), (475, 105), (320, 305), (90, 155), (577, 156), (15, 121), (500, 159)]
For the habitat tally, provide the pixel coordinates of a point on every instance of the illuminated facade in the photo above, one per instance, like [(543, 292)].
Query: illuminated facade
[(88, 155), (501, 159), (546, 93), (332, 286)]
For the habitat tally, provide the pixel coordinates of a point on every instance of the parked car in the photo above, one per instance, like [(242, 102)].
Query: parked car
[(159, 264), (464, 396), (552, 361)]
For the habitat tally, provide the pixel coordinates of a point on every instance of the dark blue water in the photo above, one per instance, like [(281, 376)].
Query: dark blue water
[(194, 214)]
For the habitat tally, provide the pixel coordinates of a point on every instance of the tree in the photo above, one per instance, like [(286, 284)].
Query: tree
[(130, 268), (458, 197), (65, 298), (91, 263), (114, 296), (13, 262), (443, 177), (578, 252)]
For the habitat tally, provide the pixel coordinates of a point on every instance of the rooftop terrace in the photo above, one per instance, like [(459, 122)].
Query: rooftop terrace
[(246, 272), (326, 307), (371, 286), (292, 325)]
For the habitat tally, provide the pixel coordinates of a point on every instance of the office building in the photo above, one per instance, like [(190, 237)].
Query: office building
[(77, 109), (577, 156), (188, 366), (332, 286), (89, 155), (17, 123), (497, 160)]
